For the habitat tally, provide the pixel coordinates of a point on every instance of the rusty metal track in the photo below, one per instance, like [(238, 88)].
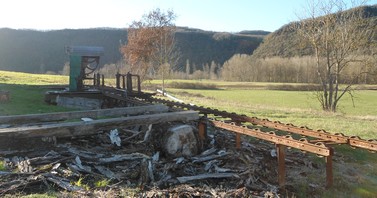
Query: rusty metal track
[(302, 144), (319, 142), (323, 136)]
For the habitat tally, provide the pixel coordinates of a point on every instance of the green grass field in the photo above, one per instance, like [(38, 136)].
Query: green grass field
[(253, 99), (300, 108), (19, 78), (27, 92)]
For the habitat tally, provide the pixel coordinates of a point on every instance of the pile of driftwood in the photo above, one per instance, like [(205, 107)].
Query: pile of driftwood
[(132, 161)]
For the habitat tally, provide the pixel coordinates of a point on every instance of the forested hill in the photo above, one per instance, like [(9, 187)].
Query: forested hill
[(285, 42), (42, 51)]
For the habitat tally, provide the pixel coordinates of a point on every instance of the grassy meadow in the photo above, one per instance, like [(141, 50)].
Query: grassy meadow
[(27, 92), (301, 108), (262, 100)]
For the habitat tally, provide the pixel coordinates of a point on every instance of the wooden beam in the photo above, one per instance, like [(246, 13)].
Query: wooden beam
[(186, 179), (50, 117), (70, 129)]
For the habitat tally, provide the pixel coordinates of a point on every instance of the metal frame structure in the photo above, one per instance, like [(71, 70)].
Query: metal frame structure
[(284, 136), (84, 60), (318, 142)]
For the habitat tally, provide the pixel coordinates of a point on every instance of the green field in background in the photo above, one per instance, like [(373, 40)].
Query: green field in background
[(300, 108)]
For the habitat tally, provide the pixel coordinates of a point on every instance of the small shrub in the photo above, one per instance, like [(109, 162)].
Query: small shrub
[(2, 166), (101, 183), (80, 183)]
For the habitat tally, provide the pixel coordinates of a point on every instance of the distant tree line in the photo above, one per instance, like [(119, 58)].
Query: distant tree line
[(43, 51), (246, 68)]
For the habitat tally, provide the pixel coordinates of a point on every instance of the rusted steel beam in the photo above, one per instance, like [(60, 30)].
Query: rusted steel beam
[(370, 145), (262, 122), (322, 135), (301, 144), (304, 131), (315, 146)]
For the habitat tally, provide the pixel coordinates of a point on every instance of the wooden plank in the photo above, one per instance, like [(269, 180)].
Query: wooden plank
[(186, 179), (70, 129), (49, 117)]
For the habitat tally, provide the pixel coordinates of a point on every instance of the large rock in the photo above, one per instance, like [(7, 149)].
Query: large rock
[(180, 141)]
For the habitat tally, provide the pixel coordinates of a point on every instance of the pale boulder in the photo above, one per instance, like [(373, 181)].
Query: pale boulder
[(180, 141)]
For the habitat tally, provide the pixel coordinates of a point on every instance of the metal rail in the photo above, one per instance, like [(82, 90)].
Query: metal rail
[(320, 145), (302, 144), (322, 135)]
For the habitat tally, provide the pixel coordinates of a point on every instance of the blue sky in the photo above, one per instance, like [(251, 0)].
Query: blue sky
[(215, 15)]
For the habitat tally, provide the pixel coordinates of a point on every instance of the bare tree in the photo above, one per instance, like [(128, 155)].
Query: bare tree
[(337, 38), (151, 44)]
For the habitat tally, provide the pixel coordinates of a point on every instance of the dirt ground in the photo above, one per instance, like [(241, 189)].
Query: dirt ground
[(91, 166)]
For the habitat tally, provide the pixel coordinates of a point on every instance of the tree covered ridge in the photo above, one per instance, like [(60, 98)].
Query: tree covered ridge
[(42, 51), (285, 41)]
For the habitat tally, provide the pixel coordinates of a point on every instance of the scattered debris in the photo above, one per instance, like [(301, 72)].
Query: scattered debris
[(76, 164), (114, 137), (156, 154), (86, 119)]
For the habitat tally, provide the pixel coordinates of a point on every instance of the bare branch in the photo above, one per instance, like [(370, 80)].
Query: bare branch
[(337, 36)]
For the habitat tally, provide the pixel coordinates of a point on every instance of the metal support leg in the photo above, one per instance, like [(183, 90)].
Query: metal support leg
[(329, 172), (202, 130), (238, 137), (238, 141), (280, 149)]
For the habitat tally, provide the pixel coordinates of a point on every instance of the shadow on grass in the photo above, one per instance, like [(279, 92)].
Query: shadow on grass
[(27, 99)]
